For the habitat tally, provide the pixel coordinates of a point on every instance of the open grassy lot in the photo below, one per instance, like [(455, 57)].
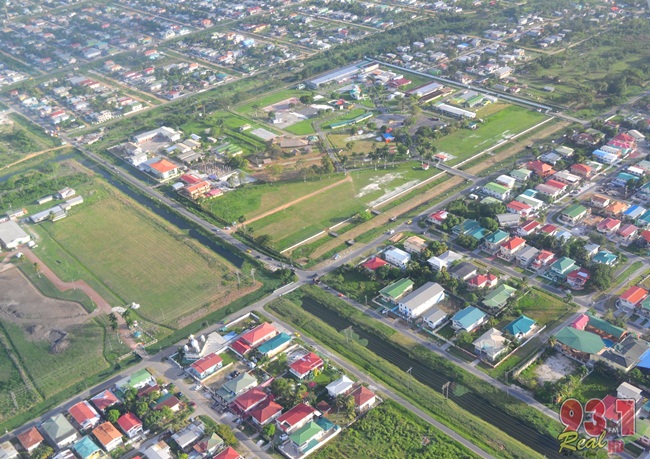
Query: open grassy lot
[(52, 372), (18, 138), (351, 114), (253, 200), (501, 125), (143, 259), (392, 432), (542, 307), (11, 381), (301, 128), (324, 210)]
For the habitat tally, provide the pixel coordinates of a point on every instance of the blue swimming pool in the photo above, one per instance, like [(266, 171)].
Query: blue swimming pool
[(608, 342)]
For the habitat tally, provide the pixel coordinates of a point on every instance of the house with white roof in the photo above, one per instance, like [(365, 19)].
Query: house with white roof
[(397, 257)]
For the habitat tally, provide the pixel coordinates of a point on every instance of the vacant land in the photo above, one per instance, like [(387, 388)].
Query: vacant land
[(499, 126), (314, 214), (303, 127), (143, 259), (18, 139), (392, 432), (542, 307), (270, 99)]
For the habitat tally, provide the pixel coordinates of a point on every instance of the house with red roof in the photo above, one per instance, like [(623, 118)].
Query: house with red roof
[(488, 280), (296, 417), (266, 413), (85, 415), (253, 338), (104, 400), (632, 297), (543, 258), (580, 322), (516, 207), (645, 237), (528, 228), (249, 400), (540, 168), (228, 453), (557, 184), (302, 367), (30, 439), (364, 398), (374, 263), (206, 366), (609, 225), (162, 169), (581, 170), (130, 425), (438, 217), (577, 279), (627, 233), (509, 249), (548, 229)]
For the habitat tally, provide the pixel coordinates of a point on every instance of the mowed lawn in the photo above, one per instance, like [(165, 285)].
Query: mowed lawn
[(269, 99), (542, 307), (308, 217), (303, 127), (142, 258), (501, 125), (53, 372), (253, 200)]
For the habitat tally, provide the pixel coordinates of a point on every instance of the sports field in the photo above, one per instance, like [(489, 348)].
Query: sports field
[(259, 102), (501, 125), (359, 191), (143, 259), (303, 127)]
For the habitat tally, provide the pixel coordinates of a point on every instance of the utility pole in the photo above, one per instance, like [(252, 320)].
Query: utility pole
[(238, 279), (253, 274), (410, 374), (445, 389)]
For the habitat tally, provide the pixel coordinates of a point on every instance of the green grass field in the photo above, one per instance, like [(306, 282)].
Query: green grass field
[(318, 213), (347, 116), (11, 381), (303, 127), (542, 307), (253, 200), (142, 259), (53, 372), (501, 125), (21, 138)]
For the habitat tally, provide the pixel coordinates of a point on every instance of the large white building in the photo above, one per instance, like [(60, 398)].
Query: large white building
[(12, 235), (166, 133), (421, 300), (397, 257)]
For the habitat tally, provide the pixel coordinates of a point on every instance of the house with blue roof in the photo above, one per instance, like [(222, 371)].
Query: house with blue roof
[(634, 212), (468, 319), (87, 449), (479, 233), (465, 226), (605, 257), (644, 192), (521, 327), (275, 345), (622, 178)]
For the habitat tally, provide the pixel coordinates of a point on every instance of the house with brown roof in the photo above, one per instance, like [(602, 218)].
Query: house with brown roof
[(197, 190), (540, 168), (364, 398), (104, 400), (108, 436), (30, 439), (296, 417), (266, 413), (250, 399), (415, 244), (581, 170), (616, 208), (599, 201)]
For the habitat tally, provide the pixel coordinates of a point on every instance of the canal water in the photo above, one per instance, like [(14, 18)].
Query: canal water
[(467, 399)]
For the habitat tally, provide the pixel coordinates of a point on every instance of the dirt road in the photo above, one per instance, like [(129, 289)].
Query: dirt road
[(32, 155)]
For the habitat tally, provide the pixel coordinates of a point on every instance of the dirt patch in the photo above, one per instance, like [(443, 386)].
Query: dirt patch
[(555, 367), (285, 104), (41, 317)]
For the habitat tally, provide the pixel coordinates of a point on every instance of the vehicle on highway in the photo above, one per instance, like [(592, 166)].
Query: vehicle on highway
[(408, 222)]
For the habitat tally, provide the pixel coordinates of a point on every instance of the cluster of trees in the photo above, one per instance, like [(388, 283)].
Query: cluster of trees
[(143, 408)]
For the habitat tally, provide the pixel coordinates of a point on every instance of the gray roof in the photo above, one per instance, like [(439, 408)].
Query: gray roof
[(463, 269), (419, 296), (58, 428), (10, 231), (627, 352), (436, 315)]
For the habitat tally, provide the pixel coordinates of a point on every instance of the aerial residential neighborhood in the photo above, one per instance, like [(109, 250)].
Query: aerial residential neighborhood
[(324, 229)]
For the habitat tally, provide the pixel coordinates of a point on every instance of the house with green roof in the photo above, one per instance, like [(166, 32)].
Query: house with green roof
[(494, 240), (307, 436), (137, 380), (521, 327), (521, 175), (644, 220), (87, 449), (231, 389), (59, 431), (560, 268), (468, 319), (605, 258), (495, 190), (604, 328), (574, 213), (490, 200), (498, 297), (393, 292), (275, 345), (579, 344), (465, 226)]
